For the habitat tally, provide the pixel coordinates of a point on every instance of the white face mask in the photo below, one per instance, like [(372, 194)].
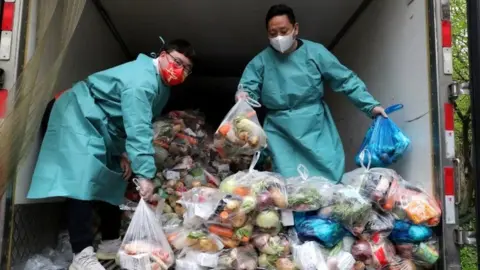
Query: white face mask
[(282, 43)]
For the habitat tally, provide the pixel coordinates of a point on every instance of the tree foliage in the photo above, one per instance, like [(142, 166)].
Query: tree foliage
[(463, 132)]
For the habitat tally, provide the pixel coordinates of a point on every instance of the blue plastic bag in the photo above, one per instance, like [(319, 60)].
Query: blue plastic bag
[(406, 232), (384, 141), (311, 227)]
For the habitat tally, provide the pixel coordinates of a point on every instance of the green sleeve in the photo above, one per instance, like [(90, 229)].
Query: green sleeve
[(252, 78), (344, 80), (137, 118)]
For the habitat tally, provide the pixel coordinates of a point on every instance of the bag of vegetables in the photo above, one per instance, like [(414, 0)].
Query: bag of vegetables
[(409, 202), (309, 256), (145, 245), (240, 131), (213, 206), (307, 193), (240, 258), (424, 254), (195, 239), (372, 183), (264, 190), (346, 206)]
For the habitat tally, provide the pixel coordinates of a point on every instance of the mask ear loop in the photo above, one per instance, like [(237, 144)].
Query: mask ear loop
[(154, 54)]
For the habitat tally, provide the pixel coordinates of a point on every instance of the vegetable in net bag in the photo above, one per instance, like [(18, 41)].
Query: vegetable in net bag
[(145, 245), (385, 141), (264, 190), (240, 131), (307, 193)]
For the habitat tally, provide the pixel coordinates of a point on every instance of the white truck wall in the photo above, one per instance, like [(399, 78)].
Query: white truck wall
[(388, 48), (92, 49)]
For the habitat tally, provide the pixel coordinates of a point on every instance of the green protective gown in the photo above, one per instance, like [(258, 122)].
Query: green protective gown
[(299, 125), (91, 125)]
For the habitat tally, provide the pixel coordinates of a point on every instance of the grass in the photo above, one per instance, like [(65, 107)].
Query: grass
[(468, 257)]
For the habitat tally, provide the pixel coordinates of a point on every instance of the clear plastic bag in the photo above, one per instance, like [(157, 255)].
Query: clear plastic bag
[(339, 259), (275, 245), (384, 140), (263, 190), (378, 225), (309, 256), (307, 193), (240, 132), (406, 232), (372, 183), (314, 228), (347, 207), (240, 258), (195, 239), (215, 207), (145, 244), (424, 254), (377, 255), (409, 202)]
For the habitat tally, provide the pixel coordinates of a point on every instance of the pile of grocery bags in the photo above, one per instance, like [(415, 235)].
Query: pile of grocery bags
[(216, 211)]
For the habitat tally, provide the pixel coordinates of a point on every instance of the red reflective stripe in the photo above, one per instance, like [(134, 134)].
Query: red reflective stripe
[(449, 186), (448, 111), (3, 102), (446, 34), (7, 16), (59, 94)]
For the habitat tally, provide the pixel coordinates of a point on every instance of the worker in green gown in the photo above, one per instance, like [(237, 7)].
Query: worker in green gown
[(99, 133), (288, 79)]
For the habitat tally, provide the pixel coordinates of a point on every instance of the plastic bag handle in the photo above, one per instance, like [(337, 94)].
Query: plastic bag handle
[(255, 159), (252, 102), (393, 108), (362, 159), (302, 171)]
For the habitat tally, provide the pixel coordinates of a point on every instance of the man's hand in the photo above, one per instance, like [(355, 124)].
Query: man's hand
[(379, 110), (146, 189), (241, 95), (126, 168)]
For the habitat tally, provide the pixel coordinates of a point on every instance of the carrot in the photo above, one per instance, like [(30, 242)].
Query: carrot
[(172, 237), (241, 191), (224, 129), (245, 239), (161, 144), (250, 114), (221, 231), (190, 139), (224, 215)]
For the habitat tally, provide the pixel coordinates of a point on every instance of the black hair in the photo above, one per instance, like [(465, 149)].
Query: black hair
[(280, 10), (182, 46)]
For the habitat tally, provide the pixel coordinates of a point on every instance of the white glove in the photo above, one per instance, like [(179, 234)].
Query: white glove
[(146, 188), (241, 95)]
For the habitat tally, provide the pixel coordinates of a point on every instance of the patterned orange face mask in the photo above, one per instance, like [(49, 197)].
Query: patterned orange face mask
[(173, 74)]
